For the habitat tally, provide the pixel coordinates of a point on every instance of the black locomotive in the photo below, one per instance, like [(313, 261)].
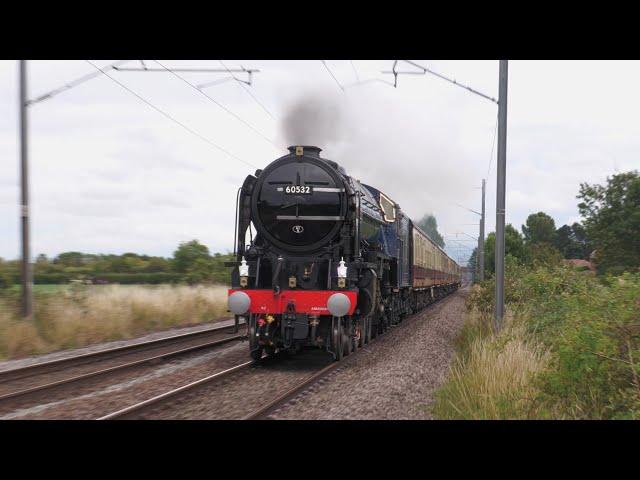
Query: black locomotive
[(333, 262)]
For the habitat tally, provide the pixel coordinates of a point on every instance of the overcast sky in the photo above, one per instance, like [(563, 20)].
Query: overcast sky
[(109, 174)]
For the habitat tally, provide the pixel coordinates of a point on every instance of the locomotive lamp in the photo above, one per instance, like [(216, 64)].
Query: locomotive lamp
[(342, 274), (244, 273), (239, 303), (338, 304), (292, 282)]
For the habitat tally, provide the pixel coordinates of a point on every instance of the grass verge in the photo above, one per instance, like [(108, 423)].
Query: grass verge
[(85, 314), (493, 376)]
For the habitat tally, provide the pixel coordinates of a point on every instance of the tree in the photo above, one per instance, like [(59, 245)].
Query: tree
[(201, 270), (543, 254), (472, 263), (71, 259), (513, 246), (539, 228), (571, 241), (612, 220), (429, 224), (158, 264), (187, 255), (5, 275)]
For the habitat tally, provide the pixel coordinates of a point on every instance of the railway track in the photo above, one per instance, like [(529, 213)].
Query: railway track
[(140, 406), (249, 376), (21, 385), (264, 411)]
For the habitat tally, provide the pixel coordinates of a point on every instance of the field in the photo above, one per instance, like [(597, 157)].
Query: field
[(39, 289), (70, 316)]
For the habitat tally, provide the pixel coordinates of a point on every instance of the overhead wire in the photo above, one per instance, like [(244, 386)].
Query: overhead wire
[(166, 115), (450, 80), (495, 131), (211, 99), (355, 71), (332, 75), (76, 82), (247, 90)]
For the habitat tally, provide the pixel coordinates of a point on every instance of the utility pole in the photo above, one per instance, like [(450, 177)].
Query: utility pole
[(27, 279), (481, 238), (500, 192)]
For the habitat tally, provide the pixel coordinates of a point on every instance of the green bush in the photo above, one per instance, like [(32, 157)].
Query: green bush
[(139, 278), (51, 278), (590, 326)]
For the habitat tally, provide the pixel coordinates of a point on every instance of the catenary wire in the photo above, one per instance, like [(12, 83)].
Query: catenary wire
[(332, 75), (166, 115), (355, 71), (247, 90), (211, 99), (450, 80), (76, 82), (495, 131)]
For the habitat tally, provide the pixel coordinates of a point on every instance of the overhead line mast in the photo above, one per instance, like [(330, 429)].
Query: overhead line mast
[(27, 274), (500, 174)]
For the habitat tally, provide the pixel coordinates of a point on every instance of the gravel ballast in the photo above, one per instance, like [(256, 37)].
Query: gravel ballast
[(394, 378)]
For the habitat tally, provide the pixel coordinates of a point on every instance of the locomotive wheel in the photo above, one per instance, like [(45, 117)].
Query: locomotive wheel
[(355, 340), (338, 344), (270, 349), (369, 328), (346, 341), (251, 331), (257, 354), (363, 332)]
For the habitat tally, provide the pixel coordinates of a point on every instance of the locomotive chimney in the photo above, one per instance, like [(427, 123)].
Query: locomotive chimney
[(309, 150)]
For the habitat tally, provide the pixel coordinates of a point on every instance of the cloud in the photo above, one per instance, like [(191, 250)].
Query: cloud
[(110, 174)]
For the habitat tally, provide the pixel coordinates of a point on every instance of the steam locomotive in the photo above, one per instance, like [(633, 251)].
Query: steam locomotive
[(333, 262)]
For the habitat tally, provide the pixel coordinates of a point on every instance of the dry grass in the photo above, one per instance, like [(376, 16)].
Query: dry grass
[(494, 376), (84, 315)]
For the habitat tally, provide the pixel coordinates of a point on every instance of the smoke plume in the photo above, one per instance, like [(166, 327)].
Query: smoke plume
[(388, 144), (315, 118)]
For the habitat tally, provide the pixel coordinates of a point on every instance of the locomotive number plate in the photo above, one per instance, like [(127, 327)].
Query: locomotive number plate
[(298, 190)]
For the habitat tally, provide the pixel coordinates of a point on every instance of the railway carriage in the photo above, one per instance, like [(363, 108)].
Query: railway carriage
[(333, 262)]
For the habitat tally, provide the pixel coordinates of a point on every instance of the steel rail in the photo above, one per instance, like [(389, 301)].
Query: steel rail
[(172, 393), (281, 399), (121, 367), (39, 368)]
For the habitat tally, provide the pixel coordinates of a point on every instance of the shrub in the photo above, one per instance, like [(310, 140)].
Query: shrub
[(590, 328)]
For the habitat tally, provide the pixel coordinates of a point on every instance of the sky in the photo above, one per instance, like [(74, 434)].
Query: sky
[(111, 174)]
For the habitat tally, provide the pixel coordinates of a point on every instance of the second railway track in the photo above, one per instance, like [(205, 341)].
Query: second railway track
[(22, 385)]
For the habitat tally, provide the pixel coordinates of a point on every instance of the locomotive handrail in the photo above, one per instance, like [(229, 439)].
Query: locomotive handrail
[(310, 217)]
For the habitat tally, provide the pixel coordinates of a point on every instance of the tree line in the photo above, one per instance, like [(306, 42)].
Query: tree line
[(191, 263), (609, 234)]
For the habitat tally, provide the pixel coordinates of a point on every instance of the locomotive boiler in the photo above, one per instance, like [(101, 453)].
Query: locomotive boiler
[(325, 261)]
